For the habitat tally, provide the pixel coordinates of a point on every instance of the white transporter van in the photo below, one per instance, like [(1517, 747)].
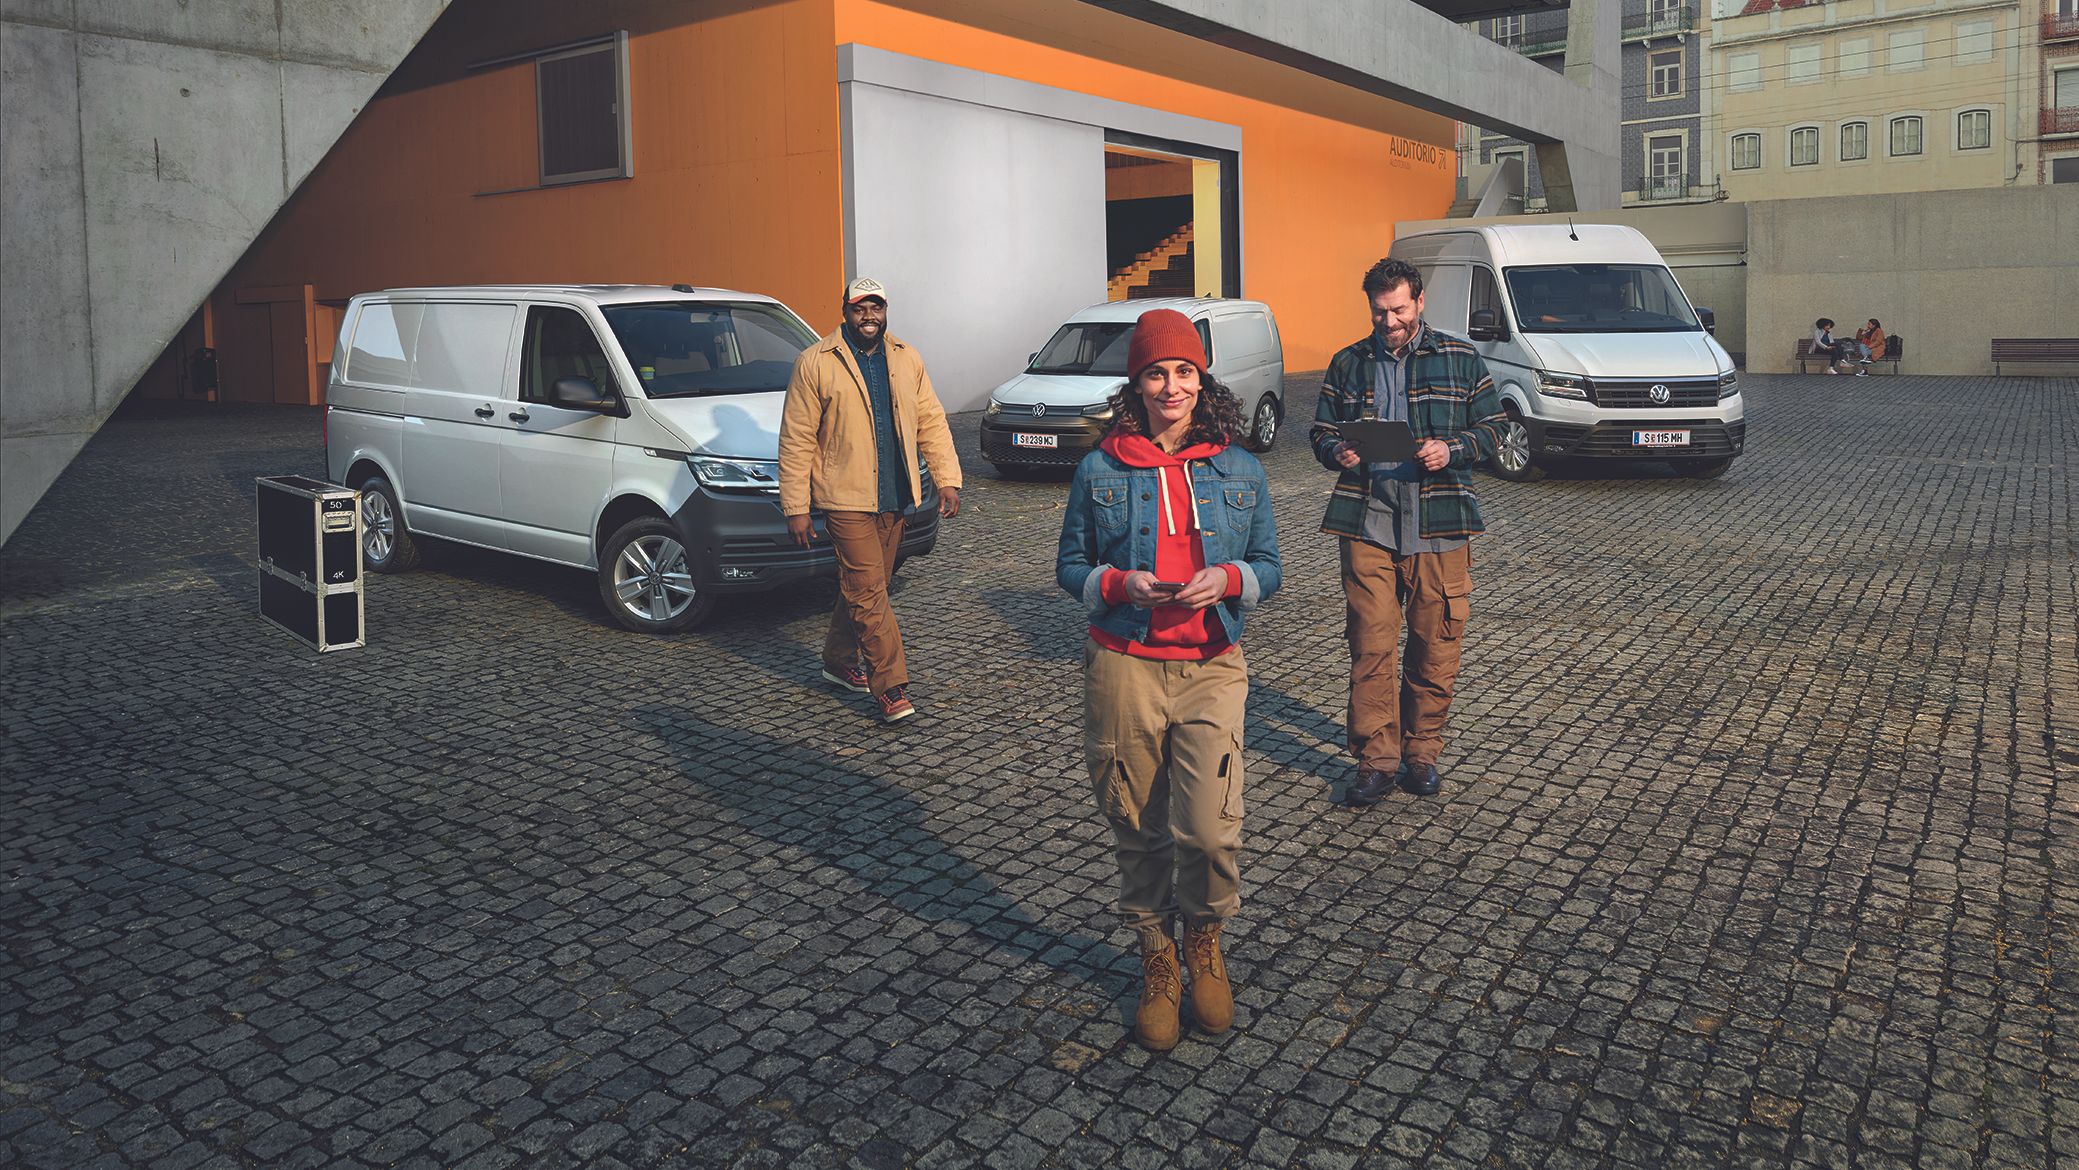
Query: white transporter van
[(1057, 410), (632, 430), (1594, 348)]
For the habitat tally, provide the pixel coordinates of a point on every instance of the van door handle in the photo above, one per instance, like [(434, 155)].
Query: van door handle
[(485, 412), (518, 416)]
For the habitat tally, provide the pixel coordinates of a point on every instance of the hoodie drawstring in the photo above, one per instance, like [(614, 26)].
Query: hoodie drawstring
[(1169, 518)]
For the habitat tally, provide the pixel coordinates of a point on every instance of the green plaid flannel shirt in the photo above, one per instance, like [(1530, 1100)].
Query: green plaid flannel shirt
[(1450, 397)]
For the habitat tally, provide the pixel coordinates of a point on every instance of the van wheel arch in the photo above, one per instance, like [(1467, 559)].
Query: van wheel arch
[(618, 512)]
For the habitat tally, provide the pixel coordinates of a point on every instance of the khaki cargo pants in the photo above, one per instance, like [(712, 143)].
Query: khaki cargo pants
[(1397, 711), (863, 626), (1164, 745)]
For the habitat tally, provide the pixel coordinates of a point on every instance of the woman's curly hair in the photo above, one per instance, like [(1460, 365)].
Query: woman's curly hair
[(1216, 419)]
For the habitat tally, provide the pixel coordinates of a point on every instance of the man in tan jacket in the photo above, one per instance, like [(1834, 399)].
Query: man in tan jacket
[(860, 410)]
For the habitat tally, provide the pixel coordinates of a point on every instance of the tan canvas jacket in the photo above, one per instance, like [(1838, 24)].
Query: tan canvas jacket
[(826, 429)]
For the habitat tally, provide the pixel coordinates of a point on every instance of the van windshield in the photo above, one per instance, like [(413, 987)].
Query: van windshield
[(1599, 298), (683, 349), (1086, 347)]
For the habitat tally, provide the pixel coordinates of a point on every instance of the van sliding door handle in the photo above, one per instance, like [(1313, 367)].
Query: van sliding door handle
[(485, 412), (518, 416)]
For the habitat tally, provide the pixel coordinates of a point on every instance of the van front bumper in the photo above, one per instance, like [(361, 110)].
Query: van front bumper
[(740, 544), (1709, 438), (1074, 436)]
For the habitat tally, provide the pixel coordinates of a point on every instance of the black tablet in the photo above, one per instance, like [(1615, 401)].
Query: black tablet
[(1379, 440)]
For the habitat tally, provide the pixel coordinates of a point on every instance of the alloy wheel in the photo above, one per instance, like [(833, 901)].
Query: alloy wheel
[(1266, 424), (651, 579), (1513, 455), (378, 527)]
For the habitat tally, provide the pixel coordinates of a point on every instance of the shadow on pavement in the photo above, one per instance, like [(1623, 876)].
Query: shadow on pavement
[(1295, 735), (873, 831)]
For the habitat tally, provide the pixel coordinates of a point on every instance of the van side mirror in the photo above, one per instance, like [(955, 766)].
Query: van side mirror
[(1485, 325), (580, 394), (1709, 319)]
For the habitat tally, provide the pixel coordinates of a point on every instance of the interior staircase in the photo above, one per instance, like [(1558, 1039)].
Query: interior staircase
[(1162, 271)]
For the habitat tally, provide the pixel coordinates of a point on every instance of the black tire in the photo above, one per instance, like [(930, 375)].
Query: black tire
[(387, 545), (1263, 424), (655, 591), (1704, 468), (1513, 461)]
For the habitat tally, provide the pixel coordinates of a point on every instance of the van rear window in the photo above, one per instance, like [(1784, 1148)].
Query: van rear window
[(683, 349)]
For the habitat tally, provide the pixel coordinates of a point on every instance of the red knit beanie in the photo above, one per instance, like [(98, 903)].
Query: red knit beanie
[(1163, 335)]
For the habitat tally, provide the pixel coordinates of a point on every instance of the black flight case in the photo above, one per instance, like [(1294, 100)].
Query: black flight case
[(310, 560)]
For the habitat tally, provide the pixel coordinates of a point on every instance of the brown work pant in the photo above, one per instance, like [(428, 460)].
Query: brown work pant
[(1397, 713), (1164, 745), (863, 624)]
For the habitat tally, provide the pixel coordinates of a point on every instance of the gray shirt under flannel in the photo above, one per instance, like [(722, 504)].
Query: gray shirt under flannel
[(1393, 514)]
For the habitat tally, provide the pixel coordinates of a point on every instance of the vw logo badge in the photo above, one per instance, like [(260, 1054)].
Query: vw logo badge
[(1658, 392), (1039, 409)]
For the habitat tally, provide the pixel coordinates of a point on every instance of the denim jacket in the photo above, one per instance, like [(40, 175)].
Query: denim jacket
[(1113, 515)]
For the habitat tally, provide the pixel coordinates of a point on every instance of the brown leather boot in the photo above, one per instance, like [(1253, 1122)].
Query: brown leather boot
[(1155, 1022), (1212, 996)]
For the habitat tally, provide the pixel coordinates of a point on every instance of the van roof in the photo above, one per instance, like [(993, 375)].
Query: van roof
[(1544, 243), (600, 294), (1131, 310)]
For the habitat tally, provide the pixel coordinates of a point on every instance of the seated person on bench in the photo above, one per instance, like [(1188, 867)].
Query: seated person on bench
[(1824, 346)]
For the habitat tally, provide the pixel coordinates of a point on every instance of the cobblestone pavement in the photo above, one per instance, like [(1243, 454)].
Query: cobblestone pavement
[(1757, 845)]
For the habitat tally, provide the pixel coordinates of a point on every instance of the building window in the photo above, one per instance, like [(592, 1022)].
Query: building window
[(1974, 130), (2064, 89), (1664, 74), (1804, 146), (581, 111), (1905, 49), (1905, 136), (1508, 30), (1746, 152), (1974, 42), (1743, 72), (1855, 141), (1855, 56), (2065, 170), (1801, 63), (1665, 176)]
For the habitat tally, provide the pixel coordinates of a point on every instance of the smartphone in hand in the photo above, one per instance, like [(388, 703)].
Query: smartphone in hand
[(1167, 586)]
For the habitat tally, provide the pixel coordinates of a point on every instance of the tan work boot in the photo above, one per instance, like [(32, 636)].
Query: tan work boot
[(1212, 996), (1155, 1022)]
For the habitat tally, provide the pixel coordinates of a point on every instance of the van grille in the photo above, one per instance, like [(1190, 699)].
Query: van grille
[(1637, 394)]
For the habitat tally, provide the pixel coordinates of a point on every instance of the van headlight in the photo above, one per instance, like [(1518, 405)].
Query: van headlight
[(1728, 384), (993, 409), (1554, 385), (735, 475), (1102, 412)]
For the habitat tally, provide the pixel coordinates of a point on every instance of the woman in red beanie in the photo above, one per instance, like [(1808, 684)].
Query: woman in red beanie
[(1168, 541)]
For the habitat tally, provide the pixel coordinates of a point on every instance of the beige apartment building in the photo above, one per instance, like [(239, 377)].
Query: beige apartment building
[(1874, 96), (2057, 125)]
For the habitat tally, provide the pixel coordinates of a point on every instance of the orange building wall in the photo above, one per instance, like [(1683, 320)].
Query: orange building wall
[(736, 171), (1320, 195)]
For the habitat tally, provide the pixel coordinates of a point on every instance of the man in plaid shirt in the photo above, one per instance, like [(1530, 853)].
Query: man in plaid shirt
[(1405, 527)]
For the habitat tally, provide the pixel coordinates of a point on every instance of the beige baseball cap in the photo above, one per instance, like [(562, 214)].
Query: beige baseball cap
[(864, 287)]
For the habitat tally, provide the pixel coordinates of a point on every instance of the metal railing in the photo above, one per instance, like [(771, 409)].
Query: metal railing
[(2060, 120), (1661, 22), (2056, 27), (1672, 188)]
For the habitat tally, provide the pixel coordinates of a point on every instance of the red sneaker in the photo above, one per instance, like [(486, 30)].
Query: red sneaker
[(895, 704), (852, 679)]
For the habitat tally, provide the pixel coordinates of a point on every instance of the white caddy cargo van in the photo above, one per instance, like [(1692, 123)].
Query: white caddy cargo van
[(1058, 409), (632, 430), (1594, 348)]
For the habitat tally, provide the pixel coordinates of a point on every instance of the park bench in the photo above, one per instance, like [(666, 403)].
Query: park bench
[(2033, 349), (1894, 349)]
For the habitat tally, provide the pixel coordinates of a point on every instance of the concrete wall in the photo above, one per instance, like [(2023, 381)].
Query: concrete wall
[(1946, 270), (146, 144)]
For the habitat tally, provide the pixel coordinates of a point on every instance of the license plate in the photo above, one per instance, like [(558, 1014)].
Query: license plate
[(1018, 440), (1660, 438)]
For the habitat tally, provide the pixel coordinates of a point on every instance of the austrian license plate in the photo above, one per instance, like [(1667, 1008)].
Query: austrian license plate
[(1018, 440), (1660, 438)]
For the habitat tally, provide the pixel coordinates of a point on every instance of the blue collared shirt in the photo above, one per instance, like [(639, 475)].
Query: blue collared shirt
[(893, 482)]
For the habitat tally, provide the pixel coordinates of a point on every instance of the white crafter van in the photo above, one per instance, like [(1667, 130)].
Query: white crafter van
[(1593, 346), (1059, 408), (632, 430)]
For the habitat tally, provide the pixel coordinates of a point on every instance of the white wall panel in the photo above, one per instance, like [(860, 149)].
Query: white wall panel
[(987, 225)]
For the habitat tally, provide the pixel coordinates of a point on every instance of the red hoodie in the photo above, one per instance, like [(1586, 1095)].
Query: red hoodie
[(1174, 631)]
